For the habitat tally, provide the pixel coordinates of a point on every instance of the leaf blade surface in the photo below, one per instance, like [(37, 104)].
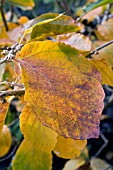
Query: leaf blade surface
[(60, 87)]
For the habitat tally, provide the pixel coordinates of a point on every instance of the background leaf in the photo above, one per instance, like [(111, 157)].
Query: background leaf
[(105, 70), (96, 4), (78, 41), (63, 88), (105, 53), (99, 164), (48, 25), (39, 141), (5, 141), (3, 112), (68, 148), (23, 3), (74, 164), (104, 31)]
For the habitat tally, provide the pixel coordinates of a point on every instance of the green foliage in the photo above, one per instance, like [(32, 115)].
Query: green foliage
[(23, 3), (96, 4)]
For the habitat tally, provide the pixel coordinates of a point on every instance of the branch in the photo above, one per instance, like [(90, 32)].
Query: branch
[(11, 84), (65, 7), (3, 60), (10, 53), (98, 49), (3, 17), (106, 13), (18, 92), (67, 10), (103, 146)]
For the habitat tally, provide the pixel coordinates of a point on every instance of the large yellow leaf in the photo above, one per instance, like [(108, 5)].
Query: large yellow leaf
[(48, 25), (63, 88), (35, 150), (105, 70), (5, 141), (68, 148), (30, 157)]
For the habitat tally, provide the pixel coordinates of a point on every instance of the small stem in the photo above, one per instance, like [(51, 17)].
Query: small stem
[(3, 60), (18, 92), (3, 48), (98, 49), (12, 84), (103, 146), (66, 7), (12, 13), (106, 13), (3, 17)]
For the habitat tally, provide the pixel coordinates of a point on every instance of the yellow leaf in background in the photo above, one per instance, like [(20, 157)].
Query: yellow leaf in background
[(105, 70), (23, 20), (99, 164), (10, 72), (63, 88), (3, 33), (5, 141), (105, 30), (105, 53), (12, 25), (34, 131), (68, 148), (23, 3), (3, 112), (39, 141), (2, 70), (82, 162), (30, 157), (74, 164)]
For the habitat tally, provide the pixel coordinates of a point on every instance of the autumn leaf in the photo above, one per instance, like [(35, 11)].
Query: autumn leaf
[(96, 4), (38, 143), (80, 162), (63, 88), (49, 25), (97, 163), (29, 157), (23, 3), (3, 112), (78, 41), (104, 31), (104, 53), (2, 69), (105, 70), (62, 19), (74, 164), (23, 20), (3, 33), (5, 141), (68, 148), (90, 16)]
